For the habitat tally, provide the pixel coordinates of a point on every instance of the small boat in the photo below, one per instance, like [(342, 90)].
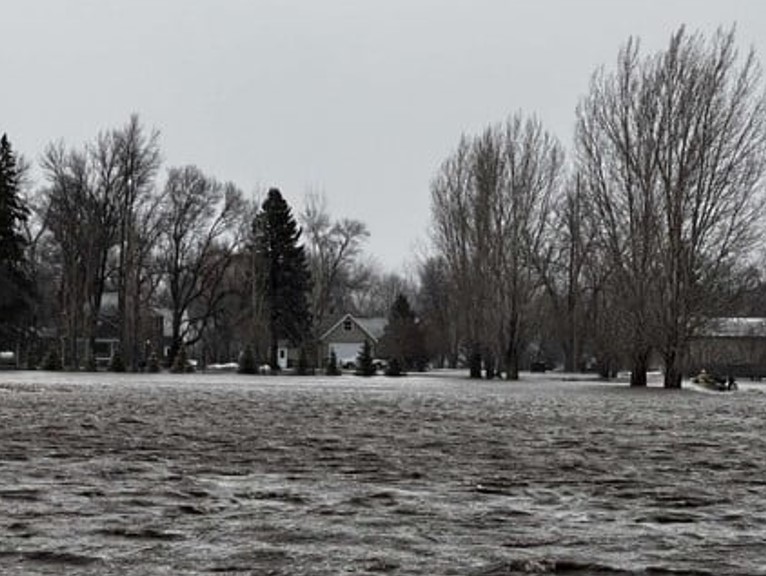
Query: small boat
[(715, 383)]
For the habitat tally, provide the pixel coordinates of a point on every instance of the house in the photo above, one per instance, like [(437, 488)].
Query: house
[(155, 331), (345, 335), (735, 346)]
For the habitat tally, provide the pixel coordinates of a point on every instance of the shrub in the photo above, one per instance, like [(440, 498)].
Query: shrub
[(52, 360), (153, 365), (303, 364), (332, 365), (394, 368), (181, 362), (116, 362), (364, 364), (246, 362)]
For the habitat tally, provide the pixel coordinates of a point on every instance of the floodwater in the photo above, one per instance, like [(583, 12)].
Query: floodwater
[(227, 474)]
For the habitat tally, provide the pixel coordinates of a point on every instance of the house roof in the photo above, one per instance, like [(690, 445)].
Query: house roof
[(748, 327), (373, 327)]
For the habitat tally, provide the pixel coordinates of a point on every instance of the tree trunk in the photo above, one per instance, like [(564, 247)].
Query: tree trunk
[(175, 340), (489, 367), (673, 369), (512, 361), (274, 356), (569, 357), (639, 368), (136, 322), (90, 354), (474, 363)]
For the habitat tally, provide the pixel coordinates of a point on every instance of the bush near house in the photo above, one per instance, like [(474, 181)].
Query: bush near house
[(364, 363), (52, 360), (153, 365), (332, 365), (247, 363), (116, 362), (181, 363), (394, 368)]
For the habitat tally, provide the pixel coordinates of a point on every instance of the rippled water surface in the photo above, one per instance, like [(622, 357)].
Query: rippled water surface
[(427, 475)]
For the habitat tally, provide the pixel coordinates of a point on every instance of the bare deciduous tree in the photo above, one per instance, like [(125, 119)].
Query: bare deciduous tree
[(138, 158), (333, 251), (437, 313), (82, 214), (673, 148), (201, 232), (562, 263), (492, 208)]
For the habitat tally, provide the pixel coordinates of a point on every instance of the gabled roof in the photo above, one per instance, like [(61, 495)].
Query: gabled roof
[(373, 327), (749, 327)]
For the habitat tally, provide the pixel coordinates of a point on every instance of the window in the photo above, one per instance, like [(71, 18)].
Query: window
[(347, 325), (282, 353)]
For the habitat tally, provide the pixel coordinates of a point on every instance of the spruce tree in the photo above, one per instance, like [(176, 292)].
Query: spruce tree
[(52, 360), (332, 365), (284, 273), (394, 368), (303, 363), (15, 286), (116, 362), (364, 364), (153, 364), (247, 364), (181, 362)]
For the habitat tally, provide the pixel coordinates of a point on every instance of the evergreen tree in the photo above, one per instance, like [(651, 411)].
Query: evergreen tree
[(247, 361), (303, 363), (284, 273), (364, 364), (116, 362), (403, 344), (15, 286), (52, 360), (153, 364), (394, 368), (181, 362), (332, 365)]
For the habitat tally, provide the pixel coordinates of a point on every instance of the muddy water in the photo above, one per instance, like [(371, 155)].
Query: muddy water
[(434, 475)]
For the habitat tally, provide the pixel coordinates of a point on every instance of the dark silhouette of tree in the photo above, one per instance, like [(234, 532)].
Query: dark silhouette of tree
[(14, 277), (282, 266), (303, 363), (403, 344), (247, 363), (438, 321), (200, 235), (117, 362), (181, 363), (364, 364), (394, 368), (332, 365)]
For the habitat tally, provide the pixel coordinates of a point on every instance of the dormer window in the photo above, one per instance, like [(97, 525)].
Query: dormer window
[(347, 325)]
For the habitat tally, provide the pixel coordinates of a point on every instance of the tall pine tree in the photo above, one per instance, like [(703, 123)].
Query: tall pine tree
[(284, 273), (14, 280)]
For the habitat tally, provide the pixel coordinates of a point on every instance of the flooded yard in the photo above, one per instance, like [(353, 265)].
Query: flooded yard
[(424, 475)]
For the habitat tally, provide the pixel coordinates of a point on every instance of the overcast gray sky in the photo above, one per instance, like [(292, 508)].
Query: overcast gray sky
[(359, 99)]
